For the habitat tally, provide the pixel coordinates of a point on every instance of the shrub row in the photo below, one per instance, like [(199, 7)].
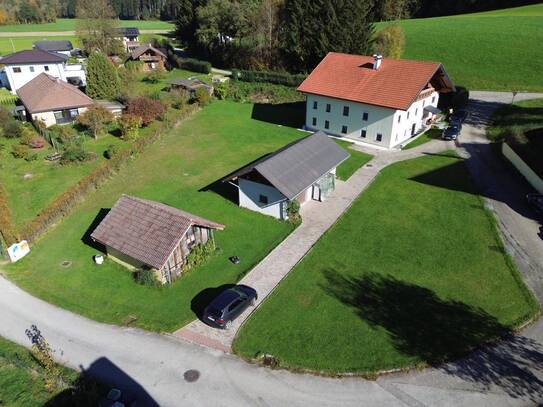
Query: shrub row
[(63, 204), (7, 228), (277, 78), (190, 64)]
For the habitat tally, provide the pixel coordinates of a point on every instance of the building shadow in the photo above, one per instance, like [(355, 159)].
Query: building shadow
[(204, 297), (93, 384), (224, 189), (86, 238), (285, 114), (436, 330)]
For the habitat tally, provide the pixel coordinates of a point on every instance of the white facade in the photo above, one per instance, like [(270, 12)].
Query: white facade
[(58, 117), (20, 74), (252, 193), (371, 124)]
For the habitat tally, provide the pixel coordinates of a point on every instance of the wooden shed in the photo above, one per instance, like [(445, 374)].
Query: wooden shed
[(139, 233)]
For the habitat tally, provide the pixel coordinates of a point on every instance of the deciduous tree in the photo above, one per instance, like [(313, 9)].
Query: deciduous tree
[(95, 119), (96, 28), (390, 41)]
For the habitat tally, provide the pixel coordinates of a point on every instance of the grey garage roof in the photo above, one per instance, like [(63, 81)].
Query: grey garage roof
[(295, 167)]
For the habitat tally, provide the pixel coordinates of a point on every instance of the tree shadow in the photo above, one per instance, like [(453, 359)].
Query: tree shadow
[(285, 114), (93, 383), (436, 330), (204, 297), (86, 238)]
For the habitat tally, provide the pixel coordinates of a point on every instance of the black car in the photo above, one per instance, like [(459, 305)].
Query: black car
[(452, 132), (536, 200), (228, 305), (458, 117)]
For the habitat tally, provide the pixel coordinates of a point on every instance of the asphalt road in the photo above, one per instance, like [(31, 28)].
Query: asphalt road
[(155, 366)]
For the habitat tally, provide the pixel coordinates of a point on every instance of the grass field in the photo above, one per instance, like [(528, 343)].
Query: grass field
[(431, 134), (176, 170), (22, 382), (353, 163), (68, 24), (414, 273), (498, 50)]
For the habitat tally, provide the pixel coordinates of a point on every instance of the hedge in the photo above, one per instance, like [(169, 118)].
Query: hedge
[(190, 64), (278, 78), (64, 204), (7, 228)]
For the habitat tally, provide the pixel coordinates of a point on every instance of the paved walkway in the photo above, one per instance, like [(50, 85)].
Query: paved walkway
[(317, 217)]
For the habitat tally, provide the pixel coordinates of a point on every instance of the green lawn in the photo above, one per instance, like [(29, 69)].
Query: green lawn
[(353, 163), (22, 382), (68, 24), (498, 50), (412, 274), (176, 171), (432, 134)]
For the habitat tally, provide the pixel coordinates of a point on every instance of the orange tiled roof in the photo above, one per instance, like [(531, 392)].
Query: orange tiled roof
[(395, 84)]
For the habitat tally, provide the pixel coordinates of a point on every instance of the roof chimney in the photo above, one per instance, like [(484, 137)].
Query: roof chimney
[(377, 58)]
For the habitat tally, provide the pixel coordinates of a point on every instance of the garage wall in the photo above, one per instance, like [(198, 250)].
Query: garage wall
[(249, 197)]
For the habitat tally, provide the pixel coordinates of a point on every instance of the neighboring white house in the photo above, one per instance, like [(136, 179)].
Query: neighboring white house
[(375, 100), (52, 101), (63, 47), (129, 37), (303, 171), (23, 66)]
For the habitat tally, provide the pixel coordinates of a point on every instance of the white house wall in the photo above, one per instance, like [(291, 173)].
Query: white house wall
[(49, 117), (381, 120), (57, 70), (249, 194)]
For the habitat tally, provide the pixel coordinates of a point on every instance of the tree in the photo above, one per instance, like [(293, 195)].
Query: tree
[(96, 28), (397, 9), (102, 77), (129, 125), (145, 108), (95, 119), (4, 17), (390, 41)]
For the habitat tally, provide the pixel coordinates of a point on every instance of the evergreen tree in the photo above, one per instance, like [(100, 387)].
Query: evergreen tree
[(102, 77)]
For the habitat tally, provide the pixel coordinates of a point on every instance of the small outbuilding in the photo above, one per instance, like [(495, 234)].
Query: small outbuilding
[(139, 233), (191, 85), (303, 170), (63, 47), (152, 57)]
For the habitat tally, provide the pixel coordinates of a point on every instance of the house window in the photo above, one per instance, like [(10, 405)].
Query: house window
[(408, 115), (16, 70), (433, 99), (315, 104), (326, 124), (74, 113), (344, 129), (345, 110), (46, 68), (363, 133), (263, 199), (399, 118), (379, 137), (416, 111), (59, 116), (365, 116), (314, 121), (31, 69), (328, 108), (423, 103)]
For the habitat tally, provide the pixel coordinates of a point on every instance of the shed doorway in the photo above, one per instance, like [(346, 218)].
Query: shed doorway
[(324, 187)]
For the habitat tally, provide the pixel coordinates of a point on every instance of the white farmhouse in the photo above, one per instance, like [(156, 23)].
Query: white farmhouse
[(375, 100), (23, 66), (304, 170)]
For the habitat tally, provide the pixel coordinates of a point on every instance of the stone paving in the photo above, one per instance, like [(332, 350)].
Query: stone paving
[(317, 217)]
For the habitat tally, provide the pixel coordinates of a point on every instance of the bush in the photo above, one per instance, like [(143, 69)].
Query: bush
[(156, 76), (277, 78), (202, 96), (31, 157), (20, 151), (263, 93), (75, 154), (146, 277), (199, 254), (37, 142), (12, 128), (178, 98), (27, 134), (293, 212), (63, 134), (190, 64), (145, 108), (222, 90), (129, 125), (112, 151), (7, 228)]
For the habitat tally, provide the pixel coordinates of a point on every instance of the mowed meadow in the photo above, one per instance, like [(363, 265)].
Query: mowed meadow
[(497, 50)]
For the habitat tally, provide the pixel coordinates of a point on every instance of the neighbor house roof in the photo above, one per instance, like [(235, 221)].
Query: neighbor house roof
[(144, 48), (128, 31), (32, 56), (45, 93), (56, 45), (147, 231), (396, 84), (295, 167)]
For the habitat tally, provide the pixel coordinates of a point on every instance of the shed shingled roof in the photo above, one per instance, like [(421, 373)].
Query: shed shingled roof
[(396, 84), (147, 231), (295, 167), (45, 93)]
